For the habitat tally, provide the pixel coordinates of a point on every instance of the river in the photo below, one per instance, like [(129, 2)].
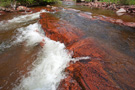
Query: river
[(29, 60)]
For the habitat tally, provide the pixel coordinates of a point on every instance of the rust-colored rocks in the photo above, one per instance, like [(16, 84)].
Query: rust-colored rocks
[(87, 47), (85, 15), (111, 6), (87, 75), (119, 21), (94, 73), (108, 19), (69, 84), (130, 24), (22, 8), (59, 30)]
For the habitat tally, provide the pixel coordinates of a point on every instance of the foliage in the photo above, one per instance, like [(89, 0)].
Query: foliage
[(124, 2), (6, 3)]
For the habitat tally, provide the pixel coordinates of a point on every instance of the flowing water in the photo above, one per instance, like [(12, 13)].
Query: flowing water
[(20, 48), (25, 65)]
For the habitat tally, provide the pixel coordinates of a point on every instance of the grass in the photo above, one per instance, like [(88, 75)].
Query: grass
[(124, 2)]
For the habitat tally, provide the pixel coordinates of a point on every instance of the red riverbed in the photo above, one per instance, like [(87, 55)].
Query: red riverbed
[(107, 69), (104, 71)]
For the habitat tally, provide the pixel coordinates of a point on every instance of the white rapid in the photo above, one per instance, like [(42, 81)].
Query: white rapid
[(19, 21), (15, 23), (48, 69)]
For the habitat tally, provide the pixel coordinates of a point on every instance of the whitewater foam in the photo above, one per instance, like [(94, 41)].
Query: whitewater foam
[(14, 23), (48, 68), (20, 20), (53, 58), (29, 35)]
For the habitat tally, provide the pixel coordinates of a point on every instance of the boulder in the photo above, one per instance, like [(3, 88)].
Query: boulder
[(119, 14), (54, 8), (22, 8), (48, 6), (121, 10), (130, 24), (119, 21)]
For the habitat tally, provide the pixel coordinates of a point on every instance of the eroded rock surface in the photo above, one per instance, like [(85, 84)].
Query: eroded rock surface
[(59, 30), (85, 74)]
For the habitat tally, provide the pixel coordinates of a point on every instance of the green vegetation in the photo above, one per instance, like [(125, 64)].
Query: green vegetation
[(123, 2), (6, 3)]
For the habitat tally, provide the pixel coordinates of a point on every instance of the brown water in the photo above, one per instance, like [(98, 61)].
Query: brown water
[(14, 59), (117, 41)]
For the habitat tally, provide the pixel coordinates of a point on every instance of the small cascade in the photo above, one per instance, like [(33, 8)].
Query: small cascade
[(48, 69)]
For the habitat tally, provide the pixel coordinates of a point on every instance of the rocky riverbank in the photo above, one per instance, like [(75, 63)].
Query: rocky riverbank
[(19, 8), (112, 6)]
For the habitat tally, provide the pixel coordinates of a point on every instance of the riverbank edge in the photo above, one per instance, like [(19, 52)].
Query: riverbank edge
[(111, 6)]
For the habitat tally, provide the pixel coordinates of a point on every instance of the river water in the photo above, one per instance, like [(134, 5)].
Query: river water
[(26, 65)]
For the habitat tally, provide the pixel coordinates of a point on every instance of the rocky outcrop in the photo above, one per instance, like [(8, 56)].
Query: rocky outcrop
[(85, 74), (59, 31)]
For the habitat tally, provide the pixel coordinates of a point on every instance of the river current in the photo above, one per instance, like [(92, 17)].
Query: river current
[(31, 61)]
